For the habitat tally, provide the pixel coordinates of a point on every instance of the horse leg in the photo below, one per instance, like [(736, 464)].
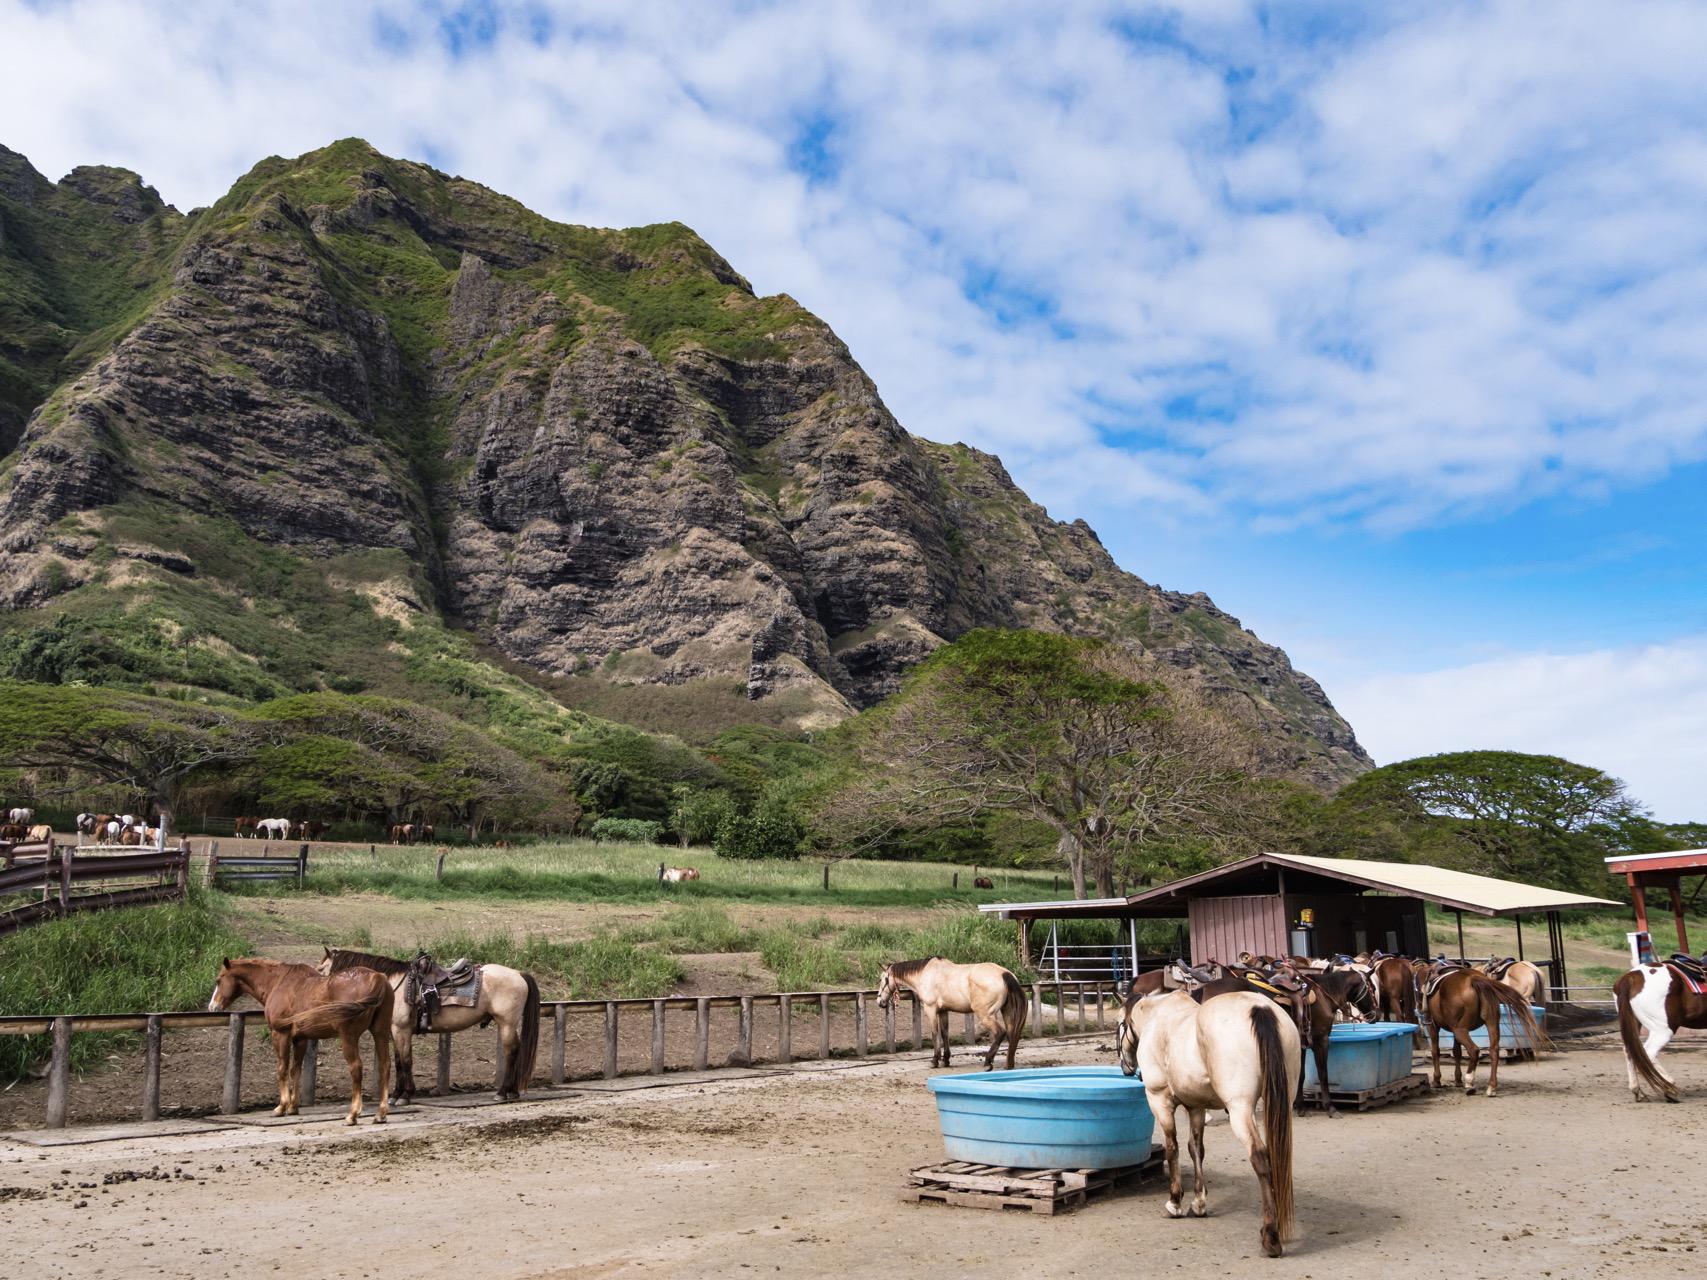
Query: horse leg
[(298, 1056), (281, 1050), (1434, 1051), (1199, 1189), (1242, 1119), (940, 1037), (353, 1060), (1169, 1121), (510, 1036), (1493, 1057), (992, 1025), (403, 1054), (1324, 1102), (1461, 1041), (382, 1052)]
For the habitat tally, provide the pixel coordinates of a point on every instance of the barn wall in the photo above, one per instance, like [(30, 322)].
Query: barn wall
[(1348, 922), (1223, 927)]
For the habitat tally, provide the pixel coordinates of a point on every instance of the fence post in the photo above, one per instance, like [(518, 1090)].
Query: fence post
[(859, 1024), (889, 1028), (441, 1087), (151, 1069), (610, 1039), (826, 877), (970, 1036), (701, 1034), (956, 882), (183, 869), (1102, 1006), (824, 1026), (232, 1098), (744, 1042), (212, 864), (1060, 1012), (64, 883), (559, 1041), (310, 1072), (301, 865), (785, 1029), (439, 868), (1081, 994), (59, 1074), (1037, 1009), (657, 1037), (918, 1022)]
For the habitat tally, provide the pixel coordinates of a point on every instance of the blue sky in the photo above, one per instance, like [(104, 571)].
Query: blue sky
[(1382, 324)]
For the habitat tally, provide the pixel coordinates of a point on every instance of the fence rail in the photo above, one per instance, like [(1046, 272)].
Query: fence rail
[(1067, 1008), (120, 880)]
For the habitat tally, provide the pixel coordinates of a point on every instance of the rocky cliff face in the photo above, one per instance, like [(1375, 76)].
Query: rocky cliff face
[(597, 450)]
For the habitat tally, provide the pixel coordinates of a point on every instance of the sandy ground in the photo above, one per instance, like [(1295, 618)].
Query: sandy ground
[(799, 1174)]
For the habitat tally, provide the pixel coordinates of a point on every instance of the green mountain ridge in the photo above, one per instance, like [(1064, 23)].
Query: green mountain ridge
[(361, 425)]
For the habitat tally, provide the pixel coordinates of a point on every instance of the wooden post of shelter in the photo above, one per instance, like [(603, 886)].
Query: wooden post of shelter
[(442, 1085), (1460, 916)]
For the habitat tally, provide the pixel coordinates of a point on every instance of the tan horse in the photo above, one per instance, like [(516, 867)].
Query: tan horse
[(508, 997), (1459, 1001), (302, 1004), (1528, 980), (987, 991), (1227, 1054)]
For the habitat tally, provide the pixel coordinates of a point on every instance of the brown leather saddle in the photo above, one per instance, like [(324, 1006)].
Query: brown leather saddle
[(435, 987), (1498, 969), (1438, 972), (1692, 968)]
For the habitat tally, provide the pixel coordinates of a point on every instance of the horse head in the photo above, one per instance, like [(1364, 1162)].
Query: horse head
[(224, 988), (886, 987)]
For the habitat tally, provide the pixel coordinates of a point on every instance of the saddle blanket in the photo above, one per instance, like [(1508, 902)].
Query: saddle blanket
[(1692, 975), (468, 994)]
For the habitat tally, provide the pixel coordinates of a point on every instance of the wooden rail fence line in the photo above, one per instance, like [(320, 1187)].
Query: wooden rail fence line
[(120, 879), (1073, 1004)]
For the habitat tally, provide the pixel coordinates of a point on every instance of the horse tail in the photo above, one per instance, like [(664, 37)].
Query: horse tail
[(1517, 1004), (527, 1052), (1629, 1031), (1013, 1013), (1276, 1112), (329, 1019)]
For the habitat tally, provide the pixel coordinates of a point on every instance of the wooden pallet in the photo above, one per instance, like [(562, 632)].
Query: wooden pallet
[(1045, 1191), (1380, 1096)]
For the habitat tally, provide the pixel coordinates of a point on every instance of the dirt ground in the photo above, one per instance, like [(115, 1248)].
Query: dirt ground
[(799, 1174)]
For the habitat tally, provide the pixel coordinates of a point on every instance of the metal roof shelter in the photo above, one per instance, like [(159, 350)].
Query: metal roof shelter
[(1282, 903), (1662, 871)]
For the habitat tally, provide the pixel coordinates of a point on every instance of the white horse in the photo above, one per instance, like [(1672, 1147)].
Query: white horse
[(23, 817), (273, 828), (987, 991), (676, 875), (1231, 1052)]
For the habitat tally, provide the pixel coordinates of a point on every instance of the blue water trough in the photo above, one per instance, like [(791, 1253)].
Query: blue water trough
[(1511, 1035), (1045, 1118), (1363, 1056)]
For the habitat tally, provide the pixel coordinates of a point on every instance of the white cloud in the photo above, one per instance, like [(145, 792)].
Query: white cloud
[(1638, 713), (1457, 262)]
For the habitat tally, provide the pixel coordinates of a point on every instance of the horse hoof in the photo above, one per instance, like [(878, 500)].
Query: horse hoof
[(1172, 1209), (1199, 1209), (1491, 1093), (1470, 1091), (1271, 1245), (1672, 1097), (379, 1119)]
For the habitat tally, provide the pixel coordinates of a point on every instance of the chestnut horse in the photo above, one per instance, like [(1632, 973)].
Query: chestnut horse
[(1654, 998), (1396, 989), (1230, 1053), (987, 991), (1460, 1000), (302, 1004)]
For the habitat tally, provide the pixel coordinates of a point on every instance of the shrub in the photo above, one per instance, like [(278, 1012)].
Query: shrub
[(700, 814), (771, 830), (638, 830)]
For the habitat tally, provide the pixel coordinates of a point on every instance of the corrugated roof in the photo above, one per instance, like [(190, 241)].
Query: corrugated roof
[(1484, 895), (1460, 889)]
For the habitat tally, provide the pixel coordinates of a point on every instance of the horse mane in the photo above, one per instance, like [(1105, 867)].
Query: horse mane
[(904, 970), (343, 958)]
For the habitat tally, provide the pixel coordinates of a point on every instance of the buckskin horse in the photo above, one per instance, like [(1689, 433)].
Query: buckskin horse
[(1658, 999), (503, 995), (1461, 999), (1231, 1053), (302, 1004), (987, 991)]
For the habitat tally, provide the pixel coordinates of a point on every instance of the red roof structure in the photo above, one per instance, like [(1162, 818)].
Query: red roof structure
[(1662, 871)]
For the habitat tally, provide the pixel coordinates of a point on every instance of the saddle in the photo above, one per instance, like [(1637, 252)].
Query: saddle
[(435, 986), (1692, 970), (1438, 972), (1498, 969)]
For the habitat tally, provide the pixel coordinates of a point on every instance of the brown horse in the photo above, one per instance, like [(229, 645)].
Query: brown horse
[(301, 1005), (1654, 998), (1461, 999), (987, 991), (1396, 989)]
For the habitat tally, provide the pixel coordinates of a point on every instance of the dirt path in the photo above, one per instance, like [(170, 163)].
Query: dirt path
[(799, 1174)]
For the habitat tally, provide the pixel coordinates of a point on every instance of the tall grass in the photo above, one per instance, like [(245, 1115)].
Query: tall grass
[(608, 967), (125, 961)]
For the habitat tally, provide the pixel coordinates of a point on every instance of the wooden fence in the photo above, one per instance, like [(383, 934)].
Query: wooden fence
[(262, 866), (117, 879), (1072, 1007)]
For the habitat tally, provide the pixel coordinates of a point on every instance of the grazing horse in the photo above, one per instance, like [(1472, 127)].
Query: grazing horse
[(983, 882), (303, 1004), (1461, 999), (243, 827), (987, 991), (403, 833), (1230, 1054), (1658, 999), (273, 828), (506, 996), (310, 829), (675, 875)]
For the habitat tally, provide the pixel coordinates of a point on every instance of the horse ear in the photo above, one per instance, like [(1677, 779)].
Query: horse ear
[(225, 962), (327, 950)]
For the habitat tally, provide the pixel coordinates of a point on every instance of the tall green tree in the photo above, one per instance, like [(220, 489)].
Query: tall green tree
[(1536, 818), (1117, 755), (152, 746)]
